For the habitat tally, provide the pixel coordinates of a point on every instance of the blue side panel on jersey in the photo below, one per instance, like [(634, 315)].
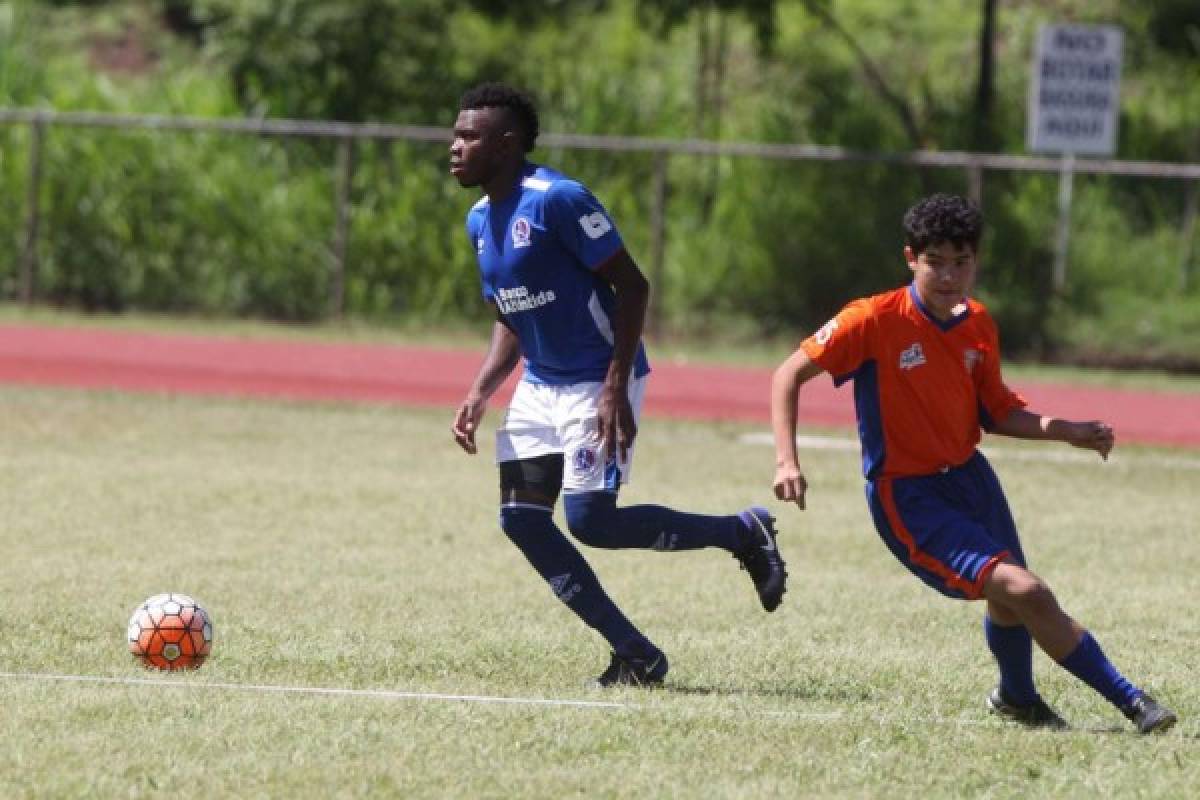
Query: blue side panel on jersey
[(985, 419), (870, 418)]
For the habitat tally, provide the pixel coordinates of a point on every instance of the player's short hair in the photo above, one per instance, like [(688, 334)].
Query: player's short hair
[(943, 218), (499, 95)]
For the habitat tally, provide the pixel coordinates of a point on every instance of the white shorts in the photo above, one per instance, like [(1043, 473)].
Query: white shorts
[(544, 420)]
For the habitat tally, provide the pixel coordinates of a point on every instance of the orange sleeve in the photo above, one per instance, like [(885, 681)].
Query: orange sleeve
[(997, 400), (843, 343)]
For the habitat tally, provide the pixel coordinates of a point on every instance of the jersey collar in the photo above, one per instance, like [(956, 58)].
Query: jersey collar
[(945, 325)]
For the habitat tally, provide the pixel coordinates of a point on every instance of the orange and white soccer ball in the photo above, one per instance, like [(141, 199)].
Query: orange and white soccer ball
[(170, 631)]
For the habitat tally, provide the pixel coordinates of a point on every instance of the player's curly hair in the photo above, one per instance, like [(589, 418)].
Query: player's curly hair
[(499, 95), (943, 218)]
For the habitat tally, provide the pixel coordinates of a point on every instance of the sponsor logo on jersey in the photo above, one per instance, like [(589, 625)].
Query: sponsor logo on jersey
[(517, 299), (595, 225), (521, 233), (914, 356), (971, 357)]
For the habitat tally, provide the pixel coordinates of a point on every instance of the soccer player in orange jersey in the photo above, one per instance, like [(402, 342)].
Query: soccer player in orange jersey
[(925, 361)]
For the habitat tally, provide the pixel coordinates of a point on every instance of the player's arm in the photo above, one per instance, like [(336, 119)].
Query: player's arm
[(1090, 434), (616, 425), (799, 368), (503, 353)]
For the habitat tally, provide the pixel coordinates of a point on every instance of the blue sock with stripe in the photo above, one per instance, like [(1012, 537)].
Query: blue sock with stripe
[(573, 582), (595, 520), (1088, 663), (1013, 648)]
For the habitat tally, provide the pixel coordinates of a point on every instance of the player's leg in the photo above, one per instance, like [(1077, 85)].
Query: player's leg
[(591, 484), (1007, 638), (931, 525), (594, 518), (530, 481), (1022, 606), (528, 490), (1072, 646)]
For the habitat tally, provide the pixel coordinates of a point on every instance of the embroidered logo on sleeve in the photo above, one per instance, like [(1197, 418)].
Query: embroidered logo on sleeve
[(595, 225), (826, 333)]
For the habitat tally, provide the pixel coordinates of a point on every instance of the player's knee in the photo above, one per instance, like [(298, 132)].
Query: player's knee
[(1032, 596), (523, 523), (591, 516)]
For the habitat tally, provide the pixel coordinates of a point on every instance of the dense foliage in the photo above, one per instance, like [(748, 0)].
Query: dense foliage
[(220, 223)]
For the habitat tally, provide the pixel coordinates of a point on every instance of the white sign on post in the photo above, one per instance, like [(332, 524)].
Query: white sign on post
[(1074, 94)]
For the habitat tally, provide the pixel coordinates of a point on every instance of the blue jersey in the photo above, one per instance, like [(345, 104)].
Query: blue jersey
[(538, 250)]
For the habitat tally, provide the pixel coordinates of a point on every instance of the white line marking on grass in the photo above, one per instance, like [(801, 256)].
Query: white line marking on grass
[(385, 694), (543, 702), (845, 444)]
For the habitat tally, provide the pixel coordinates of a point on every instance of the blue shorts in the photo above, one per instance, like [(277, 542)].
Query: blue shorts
[(950, 529)]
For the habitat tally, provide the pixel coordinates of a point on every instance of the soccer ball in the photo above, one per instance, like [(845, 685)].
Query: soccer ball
[(170, 631)]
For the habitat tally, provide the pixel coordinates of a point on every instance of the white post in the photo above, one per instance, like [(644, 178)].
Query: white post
[(1066, 176)]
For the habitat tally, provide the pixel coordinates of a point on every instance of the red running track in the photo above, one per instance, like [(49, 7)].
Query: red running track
[(375, 373)]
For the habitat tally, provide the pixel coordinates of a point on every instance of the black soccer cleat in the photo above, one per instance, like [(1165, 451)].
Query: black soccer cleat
[(761, 557), (1148, 715), (639, 672), (1034, 715)]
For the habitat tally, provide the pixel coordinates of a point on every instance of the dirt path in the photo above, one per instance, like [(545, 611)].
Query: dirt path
[(373, 373)]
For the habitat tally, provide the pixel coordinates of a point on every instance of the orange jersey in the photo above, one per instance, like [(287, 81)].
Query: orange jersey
[(923, 388)]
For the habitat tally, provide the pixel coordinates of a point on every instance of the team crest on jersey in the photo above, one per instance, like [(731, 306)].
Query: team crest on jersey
[(914, 356), (584, 460), (521, 233), (971, 357)]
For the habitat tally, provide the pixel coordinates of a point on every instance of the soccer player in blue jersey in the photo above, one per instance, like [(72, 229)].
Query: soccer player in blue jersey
[(569, 299), (925, 362)]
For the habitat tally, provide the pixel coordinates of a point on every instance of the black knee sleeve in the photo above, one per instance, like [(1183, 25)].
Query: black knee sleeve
[(541, 476)]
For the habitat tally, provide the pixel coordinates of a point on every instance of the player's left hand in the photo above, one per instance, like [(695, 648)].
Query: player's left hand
[(615, 424), (1092, 435)]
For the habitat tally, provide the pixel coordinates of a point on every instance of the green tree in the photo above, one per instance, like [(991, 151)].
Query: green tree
[(368, 60)]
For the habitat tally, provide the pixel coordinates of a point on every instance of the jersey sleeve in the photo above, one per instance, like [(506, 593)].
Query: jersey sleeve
[(996, 400), (843, 344), (581, 223)]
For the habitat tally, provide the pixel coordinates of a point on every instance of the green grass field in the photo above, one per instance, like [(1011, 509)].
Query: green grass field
[(354, 547)]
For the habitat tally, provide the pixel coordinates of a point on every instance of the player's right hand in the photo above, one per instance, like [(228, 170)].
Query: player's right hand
[(790, 484), (466, 422)]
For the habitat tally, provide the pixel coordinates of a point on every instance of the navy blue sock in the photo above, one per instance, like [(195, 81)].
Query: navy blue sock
[(573, 582), (1013, 648), (1088, 663), (595, 520)]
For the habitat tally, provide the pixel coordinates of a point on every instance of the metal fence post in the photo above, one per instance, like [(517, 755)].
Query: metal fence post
[(27, 287), (1066, 179), (1190, 210), (658, 240), (975, 183), (341, 229)]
